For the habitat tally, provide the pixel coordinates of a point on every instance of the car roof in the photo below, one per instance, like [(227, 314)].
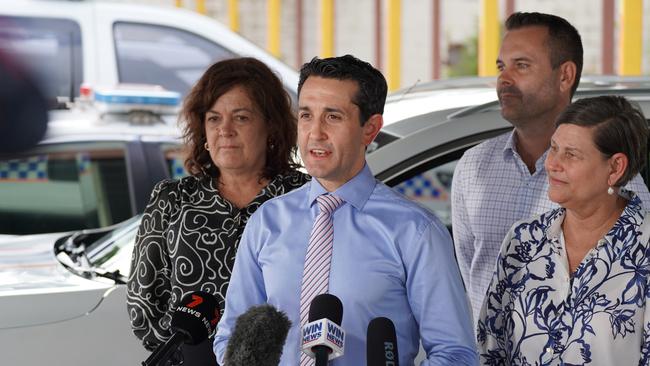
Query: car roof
[(89, 125), (411, 109)]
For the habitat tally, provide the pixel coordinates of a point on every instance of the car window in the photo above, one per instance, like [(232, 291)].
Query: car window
[(427, 178), (50, 48), (64, 187), (432, 189), (170, 57)]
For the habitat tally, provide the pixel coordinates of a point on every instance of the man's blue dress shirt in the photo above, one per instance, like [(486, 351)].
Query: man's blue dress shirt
[(391, 258)]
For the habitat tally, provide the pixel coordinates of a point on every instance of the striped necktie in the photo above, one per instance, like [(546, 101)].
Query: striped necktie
[(315, 277)]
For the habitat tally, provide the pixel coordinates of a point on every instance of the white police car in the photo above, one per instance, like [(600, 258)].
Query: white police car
[(97, 164), (94, 171), (102, 43)]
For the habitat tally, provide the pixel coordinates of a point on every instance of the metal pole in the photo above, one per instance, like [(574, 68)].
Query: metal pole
[(607, 50), (510, 7), (327, 28), (630, 42), (488, 38), (394, 43), (378, 40), (200, 7), (273, 11), (233, 15), (299, 30), (436, 39)]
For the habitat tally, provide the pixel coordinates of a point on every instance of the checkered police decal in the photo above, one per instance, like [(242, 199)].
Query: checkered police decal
[(83, 163), (178, 170), (29, 169), (423, 187)]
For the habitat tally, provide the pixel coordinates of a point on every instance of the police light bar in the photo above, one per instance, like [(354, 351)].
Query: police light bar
[(126, 98), (323, 332)]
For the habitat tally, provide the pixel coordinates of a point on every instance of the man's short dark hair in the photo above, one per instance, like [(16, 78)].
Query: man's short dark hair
[(564, 43), (619, 127), (370, 97)]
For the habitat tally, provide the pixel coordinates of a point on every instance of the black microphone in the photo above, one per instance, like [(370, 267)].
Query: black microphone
[(323, 338), (258, 337), (381, 346), (192, 323)]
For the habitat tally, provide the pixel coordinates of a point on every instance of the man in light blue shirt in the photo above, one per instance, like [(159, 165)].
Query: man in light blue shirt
[(390, 257)]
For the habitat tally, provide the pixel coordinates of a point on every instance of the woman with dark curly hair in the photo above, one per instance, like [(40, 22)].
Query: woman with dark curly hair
[(241, 134)]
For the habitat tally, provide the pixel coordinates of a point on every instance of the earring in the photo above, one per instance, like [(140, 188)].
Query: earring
[(610, 191), (206, 146)]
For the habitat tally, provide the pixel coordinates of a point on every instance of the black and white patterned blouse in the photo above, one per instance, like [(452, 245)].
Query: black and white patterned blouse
[(186, 242)]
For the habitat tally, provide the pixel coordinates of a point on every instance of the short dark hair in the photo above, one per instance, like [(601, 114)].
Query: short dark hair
[(370, 97), (619, 127), (564, 43), (265, 90)]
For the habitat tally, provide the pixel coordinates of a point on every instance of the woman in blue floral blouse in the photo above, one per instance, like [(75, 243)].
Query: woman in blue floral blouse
[(571, 285)]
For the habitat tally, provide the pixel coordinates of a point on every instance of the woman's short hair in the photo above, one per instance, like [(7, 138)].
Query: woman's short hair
[(265, 90), (619, 127)]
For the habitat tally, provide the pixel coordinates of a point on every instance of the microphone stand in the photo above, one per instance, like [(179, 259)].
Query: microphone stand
[(321, 355), (163, 352)]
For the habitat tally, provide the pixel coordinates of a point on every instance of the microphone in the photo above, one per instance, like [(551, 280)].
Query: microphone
[(381, 347), (323, 338), (258, 337), (192, 323)]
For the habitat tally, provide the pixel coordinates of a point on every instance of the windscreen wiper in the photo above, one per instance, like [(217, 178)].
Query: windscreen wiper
[(88, 271), (71, 252)]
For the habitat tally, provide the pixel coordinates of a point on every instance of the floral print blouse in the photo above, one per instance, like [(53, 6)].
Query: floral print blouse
[(537, 313)]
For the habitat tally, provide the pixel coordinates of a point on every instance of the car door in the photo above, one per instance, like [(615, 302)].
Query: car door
[(421, 165), (64, 186)]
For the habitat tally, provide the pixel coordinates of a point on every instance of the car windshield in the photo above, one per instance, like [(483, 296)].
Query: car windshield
[(49, 49), (112, 252)]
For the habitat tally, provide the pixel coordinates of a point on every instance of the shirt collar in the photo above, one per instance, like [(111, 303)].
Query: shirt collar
[(632, 215), (510, 150), (356, 191), (510, 147)]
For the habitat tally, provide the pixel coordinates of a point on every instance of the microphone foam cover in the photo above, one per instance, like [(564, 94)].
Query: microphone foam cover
[(326, 306), (196, 316), (258, 337), (381, 347)]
